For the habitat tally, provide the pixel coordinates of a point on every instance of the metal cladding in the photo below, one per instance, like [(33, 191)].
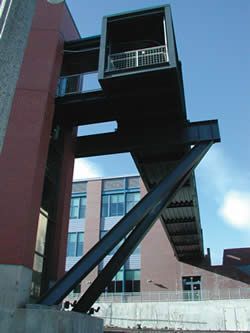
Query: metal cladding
[(142, 89)]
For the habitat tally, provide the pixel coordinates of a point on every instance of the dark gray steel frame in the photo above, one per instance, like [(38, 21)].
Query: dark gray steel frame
[(136, 236), (141, 217)]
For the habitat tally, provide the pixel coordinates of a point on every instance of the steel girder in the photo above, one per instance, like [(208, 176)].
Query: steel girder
[(140, 218)]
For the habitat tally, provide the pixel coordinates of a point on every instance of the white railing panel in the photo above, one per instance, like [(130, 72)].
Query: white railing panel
[(138, 58)]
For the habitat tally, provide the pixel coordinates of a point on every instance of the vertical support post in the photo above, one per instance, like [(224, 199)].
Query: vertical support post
[(123, 283), (146, 211), (136, 58)]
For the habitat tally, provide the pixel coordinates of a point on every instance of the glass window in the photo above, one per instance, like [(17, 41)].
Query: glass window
[(133, 275), (80, 239), (131, 200), (73, 84), (111, 287), (137, 286), (116, 204), (105, 205), (41, 232), (132, 280), (119, 276), (74, 208), (137, 250), (77, 207), (191, 288), (71, 248), (116, 284), (82, 207), (75, 244)]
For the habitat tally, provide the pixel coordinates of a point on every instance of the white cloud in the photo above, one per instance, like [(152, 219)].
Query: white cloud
[(219, 175), (214, 173), (86, 169), (236, 209)]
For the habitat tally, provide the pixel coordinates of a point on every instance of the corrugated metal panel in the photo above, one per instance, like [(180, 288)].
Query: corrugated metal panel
[(133, 182), (133, 262), (79, 187), (113, 184), (70, 262), (181, 218), (108, 222), (77, 225)]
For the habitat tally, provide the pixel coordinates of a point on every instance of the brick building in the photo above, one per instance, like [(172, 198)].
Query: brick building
[(38, 147), (98, 204), (34, 194)]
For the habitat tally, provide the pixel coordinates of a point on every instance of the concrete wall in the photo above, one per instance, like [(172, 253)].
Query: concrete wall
[(14, 285), (204, 315), (14, 30), (47, 320)]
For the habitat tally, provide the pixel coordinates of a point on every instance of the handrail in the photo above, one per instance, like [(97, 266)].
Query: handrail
[(171, 296), (138, 58)]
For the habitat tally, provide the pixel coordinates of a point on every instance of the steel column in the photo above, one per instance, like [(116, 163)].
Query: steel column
[(79, 271), (136, 236), (122, 254)]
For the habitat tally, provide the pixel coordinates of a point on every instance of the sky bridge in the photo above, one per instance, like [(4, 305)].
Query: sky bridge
[(142, 90)]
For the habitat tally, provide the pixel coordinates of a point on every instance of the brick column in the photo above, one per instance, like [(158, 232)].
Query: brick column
[(92, 224)]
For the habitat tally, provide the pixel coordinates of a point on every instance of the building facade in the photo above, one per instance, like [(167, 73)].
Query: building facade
[(38, 147), (98, 204), (36, 159)]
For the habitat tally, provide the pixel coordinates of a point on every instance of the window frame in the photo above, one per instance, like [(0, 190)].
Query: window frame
[(106, 207), (77, 244), (80, 208)]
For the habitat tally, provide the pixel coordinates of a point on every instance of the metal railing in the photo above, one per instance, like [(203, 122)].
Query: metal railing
[(138, 58), (172, 296)]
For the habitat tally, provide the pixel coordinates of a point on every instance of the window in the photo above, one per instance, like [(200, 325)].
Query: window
[(119, 204), (131, 200), (113, 205), (77, 207), (75, 244), (116, 204), (132, 281), (105, 205), (115, 285), (79, 248), (191, 288), (70, 84)]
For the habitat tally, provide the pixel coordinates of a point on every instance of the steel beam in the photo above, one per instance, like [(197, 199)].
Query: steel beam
[(117, 142), (85, 265), (122, 254), (134, 239)]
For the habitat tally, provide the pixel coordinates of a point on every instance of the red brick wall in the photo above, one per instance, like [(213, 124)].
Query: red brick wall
[(92, 223), (159, 265), (24, 155)]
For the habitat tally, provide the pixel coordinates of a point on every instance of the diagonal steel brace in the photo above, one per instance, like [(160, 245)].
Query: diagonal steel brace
[(134, 239), (134, 217)]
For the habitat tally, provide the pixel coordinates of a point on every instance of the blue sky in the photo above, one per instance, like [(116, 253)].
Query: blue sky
[(214, 48)]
